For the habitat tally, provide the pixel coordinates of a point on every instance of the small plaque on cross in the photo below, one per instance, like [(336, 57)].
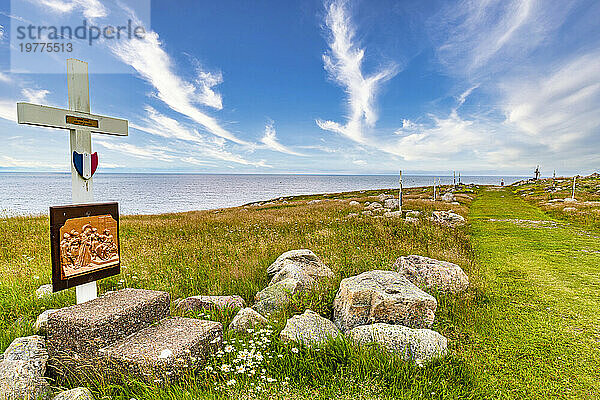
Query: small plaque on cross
[(84, 242)]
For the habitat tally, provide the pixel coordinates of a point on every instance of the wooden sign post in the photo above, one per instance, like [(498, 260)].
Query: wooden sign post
[(574, 180), (400, 194), (80, 123)]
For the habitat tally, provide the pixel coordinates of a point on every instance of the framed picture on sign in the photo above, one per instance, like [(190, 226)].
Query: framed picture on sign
[(84, 243)]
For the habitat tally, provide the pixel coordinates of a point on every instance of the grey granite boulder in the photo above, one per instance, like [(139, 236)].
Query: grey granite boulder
[(382, 296), (302, 265), (448, 218), (82, 329), (383, 197), (22, 370), (429, 273), (246, 319), (354, 203), (79, 393), (391, 203), (374, 206), (197, 303), (448, 197), (44, 291), (309, 329), (393, 214), (413, 214), (419, 345), (276, 297), (41, 323)]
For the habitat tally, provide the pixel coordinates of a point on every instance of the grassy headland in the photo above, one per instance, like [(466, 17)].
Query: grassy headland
[(504, 343)]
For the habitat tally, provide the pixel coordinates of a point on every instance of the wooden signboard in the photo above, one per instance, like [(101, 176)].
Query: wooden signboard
[(84, 243)]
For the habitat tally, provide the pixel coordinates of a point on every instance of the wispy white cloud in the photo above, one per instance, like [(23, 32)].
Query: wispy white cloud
[(8, 109), (90, 8), (271, 142), (4, 78), (11, 162), (37, 96), (483, 37), (161, 125), (151, 61), (206, 81), (146, 152), (343, 63), (559, 107)]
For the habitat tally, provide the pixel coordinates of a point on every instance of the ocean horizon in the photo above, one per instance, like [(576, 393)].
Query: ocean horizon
[(29, 193)]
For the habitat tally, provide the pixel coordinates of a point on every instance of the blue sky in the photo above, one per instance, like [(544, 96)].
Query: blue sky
[(492, 87)]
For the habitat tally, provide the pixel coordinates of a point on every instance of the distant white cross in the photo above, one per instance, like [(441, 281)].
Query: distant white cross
[(78, 120), (400, 194)]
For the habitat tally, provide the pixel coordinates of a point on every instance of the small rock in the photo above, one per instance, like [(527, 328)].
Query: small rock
[(354, 203), (411, 220), (383, 197), (79, 393), (432, 274), (569, 209), (448, 197), (314, 201), (352, 215), (419, 345), (413, 214), (197, 303), (367, 203), (448, 218), (276, 297), (41, 323), (570, 200), (302, 265), (374, 205), (246, 319), (395, 214), (368, 212), (382, 296), (309, 328), (391, 203), (44, 291), (22, 370)]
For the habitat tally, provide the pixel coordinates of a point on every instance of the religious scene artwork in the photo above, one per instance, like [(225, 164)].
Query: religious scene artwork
[(88, 244)]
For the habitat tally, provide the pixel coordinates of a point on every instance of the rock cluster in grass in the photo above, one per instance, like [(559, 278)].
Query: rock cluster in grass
[(381, 308)]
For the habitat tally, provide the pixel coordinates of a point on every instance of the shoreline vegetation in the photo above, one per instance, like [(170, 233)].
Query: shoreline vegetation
[(526, 328)]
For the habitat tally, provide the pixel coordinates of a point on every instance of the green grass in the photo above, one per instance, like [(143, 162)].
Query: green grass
[(526, 329), (539, 335)]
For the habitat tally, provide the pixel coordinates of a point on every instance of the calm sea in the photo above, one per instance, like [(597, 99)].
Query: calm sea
[(29, 193)]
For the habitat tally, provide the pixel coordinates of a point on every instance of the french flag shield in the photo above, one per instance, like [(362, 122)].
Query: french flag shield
[(85, 164)]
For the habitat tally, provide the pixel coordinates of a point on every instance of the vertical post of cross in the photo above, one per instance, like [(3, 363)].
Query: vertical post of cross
[(434, 188), (81, 142), (400, 194), (574, 180)]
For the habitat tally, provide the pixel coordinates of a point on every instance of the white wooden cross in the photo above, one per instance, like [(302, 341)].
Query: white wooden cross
[(80, 123)]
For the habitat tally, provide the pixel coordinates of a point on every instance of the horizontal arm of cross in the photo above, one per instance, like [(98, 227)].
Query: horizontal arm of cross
[(50, 117)]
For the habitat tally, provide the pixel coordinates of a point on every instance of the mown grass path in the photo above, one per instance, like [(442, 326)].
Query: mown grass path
[(537, 335)]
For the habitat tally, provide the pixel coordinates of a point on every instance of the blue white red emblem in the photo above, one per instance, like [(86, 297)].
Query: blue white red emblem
[(85, 164)]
